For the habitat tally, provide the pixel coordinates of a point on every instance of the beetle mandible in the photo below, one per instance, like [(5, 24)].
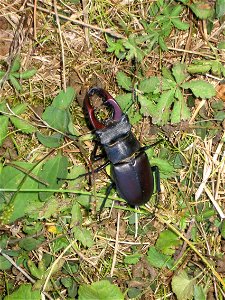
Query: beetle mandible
[(130, 167)]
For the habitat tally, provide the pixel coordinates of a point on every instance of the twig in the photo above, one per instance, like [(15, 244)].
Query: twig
[(116, 244), (109, 31)]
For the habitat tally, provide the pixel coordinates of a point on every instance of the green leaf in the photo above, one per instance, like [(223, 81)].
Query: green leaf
[(221, 45), (134, 50), (202, 10), (84, 236), (57, 118), (19, 109), (202, 69), (199, 293), (101, 290), (180, 111), (165, 167), (53, 169), (149, 85), (200, 88), (76, 218), (216, 68), (162, 43), (4, 121), (15, 83), (49, 209), (2, 74), (51, 141), (148, 107), (116, 46), (22, 125), (167, 242), (124, 101), (16, 64), (179, 72), (64, 99), (132, 259), (24, 292), (29, 243), (220, 8), (25, 75), (179, 24), (167, 74), (182, 286), (161, 115), (176, 11), (124, 81), (158, 259), (4, 263)]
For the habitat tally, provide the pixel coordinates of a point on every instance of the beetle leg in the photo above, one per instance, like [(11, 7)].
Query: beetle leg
[(155, 170), (108, 190)]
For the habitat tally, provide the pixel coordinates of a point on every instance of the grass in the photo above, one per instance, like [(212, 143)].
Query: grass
[(57, 243)]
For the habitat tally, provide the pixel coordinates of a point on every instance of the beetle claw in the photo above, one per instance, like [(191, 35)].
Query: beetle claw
[(107, 100)]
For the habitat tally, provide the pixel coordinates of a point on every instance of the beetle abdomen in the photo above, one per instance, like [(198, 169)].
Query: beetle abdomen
[(134, 179)]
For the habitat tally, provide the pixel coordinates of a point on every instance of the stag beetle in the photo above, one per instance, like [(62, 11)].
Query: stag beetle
[(130, 167)]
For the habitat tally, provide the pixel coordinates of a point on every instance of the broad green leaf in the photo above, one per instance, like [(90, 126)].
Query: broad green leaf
[(11, 178), (199, 293), (179, 72), (101, 290), (16, 64), (162, 43), (158, 259), (19, 109), (161, 115), (84, 236), (22, 125), (216, 68), (2, 73), (148, 107), (177, 9), (179, 24), (124, 81), (25, 75), (4, 263), (51, 141), (64, 99), (49, 209), (53, 169), (202, 10), (200, 88), (221, 45), (57, 118), (15, 83), (132, 259), (182, 286), (193, 68), (220, 8), (219, 115), (24, 292), (167, 242), (180, 111), (166, 168), (76, 215), (29, 243), (167, 74), (125, 101), (134, 50), (222, 229), (149, 85), (4, 121)]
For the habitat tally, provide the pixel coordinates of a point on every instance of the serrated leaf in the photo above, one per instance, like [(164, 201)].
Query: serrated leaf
[(15, 83), (199, 293), (29, 243), (158, 259), (19, 109), (24, 292), (167, 74), (52, 141), (179, 72), (124, 81), (132, 259), (202, 10), (200, 88), (101, 290), (162, 43), (22, 125), (134, 50), (167, 242), (161, 114), (57, 118), (202, 69), (167, 170), (220, 8), (182, 286), (64, 99), (148, 106), (179, 24), (180, 111), (149, 85), (24, 75), (124, 101), (4, 263), (84, 236), (16, 64), (216, 68), (53, 169), (4, 121), (176, 11)]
